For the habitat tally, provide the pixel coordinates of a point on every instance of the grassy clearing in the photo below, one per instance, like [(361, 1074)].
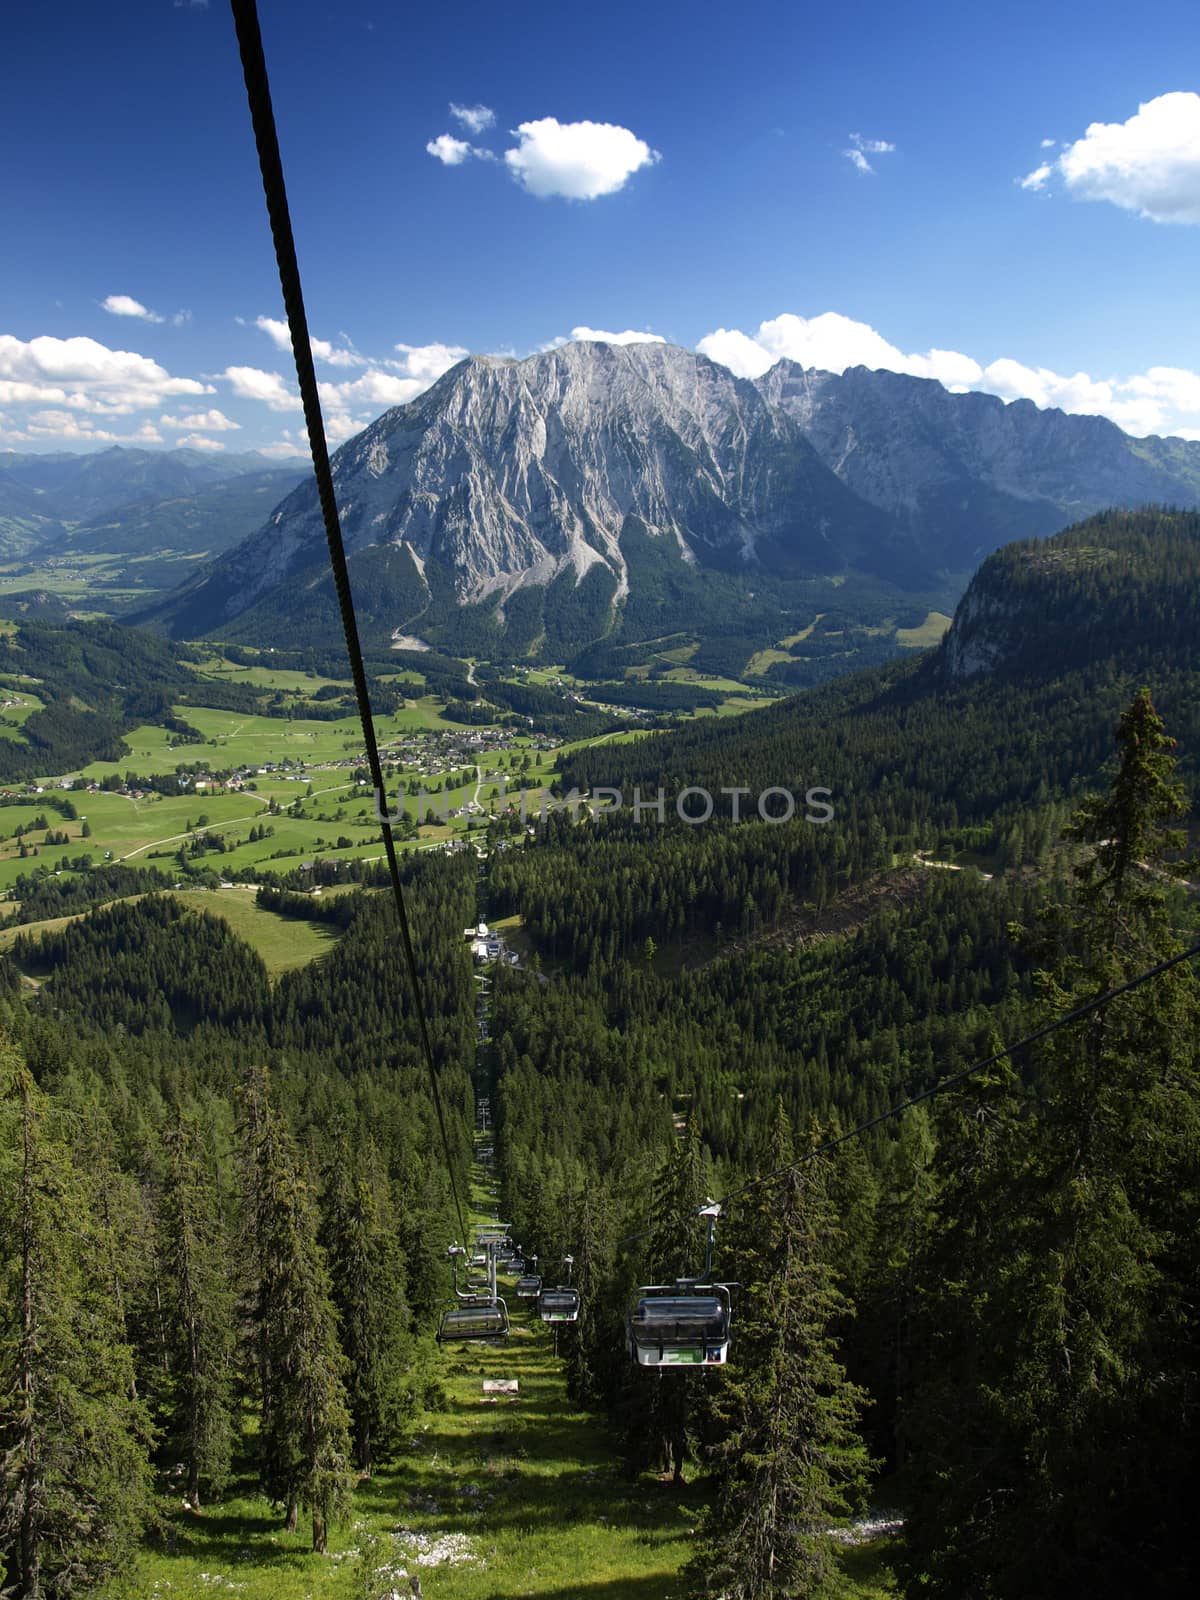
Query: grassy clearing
[(528, 1488), (926, 634), (9, 935), (282, 942), (805, 633), (705, 680), (735, 708), (681, 655), (762, 659)]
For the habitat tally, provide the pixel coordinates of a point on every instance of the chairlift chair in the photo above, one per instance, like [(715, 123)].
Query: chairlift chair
[(481, 1317), (684, 1324), (561, 1303), (529, 1284), (477, 1312), (679, 1325)]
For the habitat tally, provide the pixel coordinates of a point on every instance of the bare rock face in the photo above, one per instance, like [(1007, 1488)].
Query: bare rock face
[(507, 474), (969, 471)]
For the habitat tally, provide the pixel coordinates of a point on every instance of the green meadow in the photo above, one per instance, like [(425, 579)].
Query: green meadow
[(497, 1496)]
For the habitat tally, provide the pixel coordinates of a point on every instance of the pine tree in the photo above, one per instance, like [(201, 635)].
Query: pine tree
[(199, 1307), (74, 1477), (883, 1331), (595, 1339), (367, 1272), (1054, 1455), (304, 1442), (791, 1459)]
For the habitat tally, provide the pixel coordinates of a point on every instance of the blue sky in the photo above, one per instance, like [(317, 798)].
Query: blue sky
[(753, 180)]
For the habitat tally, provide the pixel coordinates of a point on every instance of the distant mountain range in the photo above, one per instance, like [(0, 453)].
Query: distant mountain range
[(136, 501), (597, 491), (966, 473), (616, 493)]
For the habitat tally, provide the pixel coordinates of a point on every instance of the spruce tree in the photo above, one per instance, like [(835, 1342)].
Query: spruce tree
[(790, 1459), (304, 1442), (367, 1273), (74, 1476), (199, 1303), (664, 1410), (1053, 1450)]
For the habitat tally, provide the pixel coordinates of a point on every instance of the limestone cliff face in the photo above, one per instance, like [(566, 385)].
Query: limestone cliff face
[(968, 472), (513, 473), (508, 473)]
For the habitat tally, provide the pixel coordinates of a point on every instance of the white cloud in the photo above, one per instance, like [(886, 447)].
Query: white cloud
[(427, 361), (421, 365), (576, 160), (31, 394), (1048, 144), (74, 429), (251, 383), (199, 441), (340, 426), (1162, 400), (285, 448), (124, 305), (630, 336), (280, 336), (736, 350), (213, 421), (861, 148), (1173, 386), (278, 332), (349, 407), (451, 152), (474, 118), (1149, 164), (374, 388), (830, 343), (85, 376)]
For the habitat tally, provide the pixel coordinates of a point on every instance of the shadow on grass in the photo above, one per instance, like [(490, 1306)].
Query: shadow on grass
[(651, 1587)]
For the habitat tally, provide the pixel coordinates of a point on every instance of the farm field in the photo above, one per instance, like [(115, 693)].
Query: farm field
[(298, 796)]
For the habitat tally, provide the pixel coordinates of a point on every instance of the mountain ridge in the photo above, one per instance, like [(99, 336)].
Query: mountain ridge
[(509, 476)]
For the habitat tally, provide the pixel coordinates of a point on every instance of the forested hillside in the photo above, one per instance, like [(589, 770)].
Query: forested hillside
[(224, 1199)]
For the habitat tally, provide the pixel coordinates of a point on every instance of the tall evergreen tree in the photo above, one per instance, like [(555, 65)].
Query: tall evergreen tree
[(367, 1274), (1054, 1455), (304, 1442), (595, 1340), (74, 1477), (663, 1411), (199, 1302), (791, 1459)]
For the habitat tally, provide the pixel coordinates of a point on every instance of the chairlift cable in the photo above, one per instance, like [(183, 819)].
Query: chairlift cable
[(258, 94), (245, 15)]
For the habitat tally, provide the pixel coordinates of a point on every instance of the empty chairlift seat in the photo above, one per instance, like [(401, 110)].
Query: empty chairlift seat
[(558, 1305), (484, 1318), (674, 1327), (529, 1286)]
